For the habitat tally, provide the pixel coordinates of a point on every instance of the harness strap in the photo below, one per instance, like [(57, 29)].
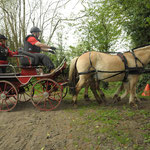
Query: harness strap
[(124, 60), (92, 71), (128, 70), (91, 66), (136, 59), (96, 71)]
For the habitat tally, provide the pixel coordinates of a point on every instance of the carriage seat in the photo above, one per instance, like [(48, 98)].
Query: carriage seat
[(28, 60)]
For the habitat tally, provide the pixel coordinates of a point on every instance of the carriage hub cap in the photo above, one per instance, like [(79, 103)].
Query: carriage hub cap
[(45, 94), (3, 96)]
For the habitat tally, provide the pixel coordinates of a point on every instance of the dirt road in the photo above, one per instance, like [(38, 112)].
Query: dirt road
[(26, 128)]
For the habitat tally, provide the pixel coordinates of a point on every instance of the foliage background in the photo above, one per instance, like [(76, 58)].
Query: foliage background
[(101, 25)]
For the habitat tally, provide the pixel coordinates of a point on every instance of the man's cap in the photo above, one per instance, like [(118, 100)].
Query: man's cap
[(35, 29), (3, 37)]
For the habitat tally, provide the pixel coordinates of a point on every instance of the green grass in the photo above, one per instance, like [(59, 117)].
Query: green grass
[(99, 126)]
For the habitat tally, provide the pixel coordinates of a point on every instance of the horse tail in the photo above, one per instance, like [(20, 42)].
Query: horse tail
[(73, 76)]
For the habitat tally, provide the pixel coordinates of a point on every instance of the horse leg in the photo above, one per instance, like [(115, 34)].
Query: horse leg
[(132, 98), (86, 97), (116, 96), (126, 87), (137, 99), (93, 89), (101, 93), (79, 86)]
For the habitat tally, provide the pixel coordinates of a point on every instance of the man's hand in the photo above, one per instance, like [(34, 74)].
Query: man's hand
[(53, 48)]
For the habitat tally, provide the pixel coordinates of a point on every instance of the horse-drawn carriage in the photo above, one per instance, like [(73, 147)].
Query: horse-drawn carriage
[(44, 90)]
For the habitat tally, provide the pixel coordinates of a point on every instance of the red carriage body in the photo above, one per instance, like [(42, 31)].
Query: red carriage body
[(45, 91)]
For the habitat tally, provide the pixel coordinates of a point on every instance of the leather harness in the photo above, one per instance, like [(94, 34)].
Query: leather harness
[(127, 71)]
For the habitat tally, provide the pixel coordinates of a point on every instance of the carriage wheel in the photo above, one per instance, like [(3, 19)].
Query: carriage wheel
[(47, 94), (8, 96), (24, 94)]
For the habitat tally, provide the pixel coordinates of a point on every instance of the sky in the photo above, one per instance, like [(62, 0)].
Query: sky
[(73, 7), (69, 37)]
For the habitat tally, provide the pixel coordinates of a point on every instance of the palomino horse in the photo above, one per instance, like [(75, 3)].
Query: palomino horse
[(93, 66), (87, 85), (92, 83)]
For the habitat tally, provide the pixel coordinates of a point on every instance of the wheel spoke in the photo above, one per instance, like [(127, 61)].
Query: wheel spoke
[(9, 90), (36, 96), (45, 103), (27, 94), (2, 104), (6, 104), (46, 85), (39, 102), (54, 96), (39, 91), (41, 85), (5, 86), (49, 100), (24, 96), (1, 90), (12, 101), (49, 94), (51, 88), (9, 96)]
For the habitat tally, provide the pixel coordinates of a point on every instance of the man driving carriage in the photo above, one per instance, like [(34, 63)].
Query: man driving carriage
[(33, 45), (4, 53)]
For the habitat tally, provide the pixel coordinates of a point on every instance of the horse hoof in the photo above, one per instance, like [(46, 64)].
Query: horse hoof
[(105, 103), (138, 101), (99, 101), (87, 99), (75, 105), (115, 96), (117, 99), (103, 96), (133, 105)]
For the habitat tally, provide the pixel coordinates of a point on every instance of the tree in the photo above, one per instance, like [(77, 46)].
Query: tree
[(13, 28), (100, 29), (18, 16), (137, 22), (137, 26)]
